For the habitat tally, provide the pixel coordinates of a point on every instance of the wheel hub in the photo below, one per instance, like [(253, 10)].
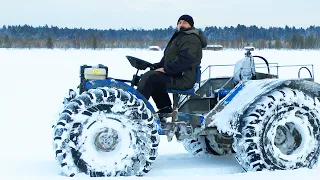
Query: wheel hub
[(106, 140), (287, 138), (281, 136)]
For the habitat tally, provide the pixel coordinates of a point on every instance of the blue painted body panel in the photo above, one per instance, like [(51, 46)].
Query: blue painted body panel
[(120, 85), (232, 94)]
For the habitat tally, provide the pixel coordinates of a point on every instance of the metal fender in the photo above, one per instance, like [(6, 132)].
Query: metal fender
[(228, 111)]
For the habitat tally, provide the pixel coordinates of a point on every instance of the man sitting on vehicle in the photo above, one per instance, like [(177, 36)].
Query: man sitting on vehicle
[(177, 68)]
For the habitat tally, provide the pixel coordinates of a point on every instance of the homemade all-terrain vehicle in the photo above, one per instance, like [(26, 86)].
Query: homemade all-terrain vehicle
[(109, 129)]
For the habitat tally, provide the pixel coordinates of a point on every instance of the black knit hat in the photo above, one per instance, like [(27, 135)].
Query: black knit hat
[(187, 18)]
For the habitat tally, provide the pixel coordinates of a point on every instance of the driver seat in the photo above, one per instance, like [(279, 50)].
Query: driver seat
[(188, 91)]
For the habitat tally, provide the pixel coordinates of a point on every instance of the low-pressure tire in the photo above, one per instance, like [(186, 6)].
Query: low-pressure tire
[(106, 132), (195, 147), (208, 145), (219, 144), (279, 131)]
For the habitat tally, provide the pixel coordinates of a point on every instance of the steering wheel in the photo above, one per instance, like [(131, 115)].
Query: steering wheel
[(139, 63)]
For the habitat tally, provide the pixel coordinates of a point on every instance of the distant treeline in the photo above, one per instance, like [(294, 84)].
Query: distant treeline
[(229, 37)]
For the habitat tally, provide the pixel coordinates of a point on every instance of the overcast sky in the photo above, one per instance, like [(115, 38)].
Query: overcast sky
[(149, 14)]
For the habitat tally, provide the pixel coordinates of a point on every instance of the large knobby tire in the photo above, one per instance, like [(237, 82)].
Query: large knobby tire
[(196, 146), (106, 132), (218, 144), (208, 145), (279, 131)]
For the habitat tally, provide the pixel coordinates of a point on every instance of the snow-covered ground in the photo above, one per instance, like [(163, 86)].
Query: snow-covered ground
[(33, 83)]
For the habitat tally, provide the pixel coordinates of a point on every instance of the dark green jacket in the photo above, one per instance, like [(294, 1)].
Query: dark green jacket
[(182, 56)]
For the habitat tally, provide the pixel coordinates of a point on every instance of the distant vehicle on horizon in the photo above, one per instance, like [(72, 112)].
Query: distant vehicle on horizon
[(154, 48), (214, 47)]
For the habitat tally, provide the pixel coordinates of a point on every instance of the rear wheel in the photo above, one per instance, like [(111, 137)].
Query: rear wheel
[(106, 132), (281, 130)]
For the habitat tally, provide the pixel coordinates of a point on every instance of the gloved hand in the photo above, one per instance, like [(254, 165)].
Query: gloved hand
[(152, 67)]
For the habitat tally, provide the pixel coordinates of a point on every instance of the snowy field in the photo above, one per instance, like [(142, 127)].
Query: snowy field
[(34, 82)]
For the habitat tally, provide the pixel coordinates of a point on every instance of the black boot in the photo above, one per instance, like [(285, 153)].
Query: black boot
[(167, 109), (164, 113)]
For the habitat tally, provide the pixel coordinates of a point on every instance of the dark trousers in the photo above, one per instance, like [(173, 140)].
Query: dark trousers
[(154, 84)]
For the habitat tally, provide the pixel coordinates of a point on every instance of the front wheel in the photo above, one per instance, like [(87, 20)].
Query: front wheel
[(106, 132), (280, 131)]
